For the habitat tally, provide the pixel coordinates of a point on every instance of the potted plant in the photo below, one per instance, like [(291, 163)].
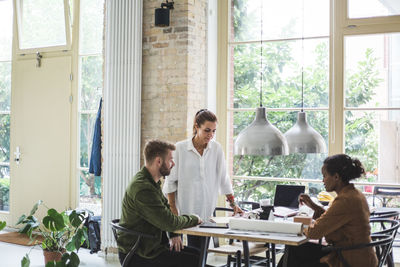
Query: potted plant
[(63, 233)]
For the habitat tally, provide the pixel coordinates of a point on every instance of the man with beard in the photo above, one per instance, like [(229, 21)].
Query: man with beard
[(145, 209)]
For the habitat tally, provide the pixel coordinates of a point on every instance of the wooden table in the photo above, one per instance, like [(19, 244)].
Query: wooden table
[(272, 238)]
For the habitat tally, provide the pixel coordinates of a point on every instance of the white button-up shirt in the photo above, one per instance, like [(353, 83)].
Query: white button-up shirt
[(198, 180)]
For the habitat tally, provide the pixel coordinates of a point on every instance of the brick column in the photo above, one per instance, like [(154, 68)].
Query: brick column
[(174, 70)]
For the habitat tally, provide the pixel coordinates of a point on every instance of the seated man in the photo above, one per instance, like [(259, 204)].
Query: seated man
[(145, 209)]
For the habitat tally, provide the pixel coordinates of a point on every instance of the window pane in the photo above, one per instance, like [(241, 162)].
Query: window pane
[(90, 192), (4, 188), (279, 21), (5, 86), (373, 8), (282, 80), (252, 190), (91, 32), (43, 23), (91, 81), (86, 130), (372, 65), (6, 22), (293, 165), (4, 138), (373, 137)]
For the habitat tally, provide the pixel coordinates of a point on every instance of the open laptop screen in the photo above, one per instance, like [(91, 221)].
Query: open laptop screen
[(288, 195)]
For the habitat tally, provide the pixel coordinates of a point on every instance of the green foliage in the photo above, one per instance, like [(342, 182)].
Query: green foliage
[(67, 260), (4, 192), (25, 262), (2, 225), (282, 88), (61, 232)]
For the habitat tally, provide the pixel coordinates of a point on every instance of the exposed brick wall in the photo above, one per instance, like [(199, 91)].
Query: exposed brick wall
[(174, 70)]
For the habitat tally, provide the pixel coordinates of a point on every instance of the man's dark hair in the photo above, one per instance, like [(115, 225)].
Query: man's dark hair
[(156, 148)]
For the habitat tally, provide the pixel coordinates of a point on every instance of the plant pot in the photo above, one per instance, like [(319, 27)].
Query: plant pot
[(52, 256)]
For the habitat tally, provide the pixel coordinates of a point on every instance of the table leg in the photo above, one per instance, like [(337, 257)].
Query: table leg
[(246, 256), (205, 241), (273, 256)]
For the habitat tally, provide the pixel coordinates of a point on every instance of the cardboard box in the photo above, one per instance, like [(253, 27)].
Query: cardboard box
[(306, 220)]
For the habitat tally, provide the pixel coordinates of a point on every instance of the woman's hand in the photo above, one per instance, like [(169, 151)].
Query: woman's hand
[(175, 243), (236, 210), (306, 200)]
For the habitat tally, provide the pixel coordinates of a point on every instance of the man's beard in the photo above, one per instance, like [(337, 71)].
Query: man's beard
[(164, 171)]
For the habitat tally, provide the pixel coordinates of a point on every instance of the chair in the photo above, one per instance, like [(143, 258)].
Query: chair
[(387, 227), (116, 227), (234, 250), (382, 244), (385, 194), (382, 214)]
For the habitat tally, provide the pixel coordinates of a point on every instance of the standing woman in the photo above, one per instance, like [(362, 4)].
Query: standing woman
[(199, 175), (345, 223)]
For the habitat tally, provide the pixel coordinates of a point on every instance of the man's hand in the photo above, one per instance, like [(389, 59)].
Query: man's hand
[(174, 210), (175, 243), (200, 221), (236, 210)]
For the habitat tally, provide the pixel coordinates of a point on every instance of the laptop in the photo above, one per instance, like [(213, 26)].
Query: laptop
[(286, 200)]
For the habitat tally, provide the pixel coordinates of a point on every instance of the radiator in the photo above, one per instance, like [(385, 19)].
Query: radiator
[(122, 98)]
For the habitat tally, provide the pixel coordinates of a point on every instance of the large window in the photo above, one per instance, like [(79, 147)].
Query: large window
[(6, 19), (356, 113), (90, 91)]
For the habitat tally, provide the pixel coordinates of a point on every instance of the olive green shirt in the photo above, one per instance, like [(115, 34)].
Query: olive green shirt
[(145, 209)]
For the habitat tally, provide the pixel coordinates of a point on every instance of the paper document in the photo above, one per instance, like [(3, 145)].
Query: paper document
[(285, 212), (266, 226)]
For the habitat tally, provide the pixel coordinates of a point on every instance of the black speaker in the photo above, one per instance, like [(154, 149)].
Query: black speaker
[(161, 17)]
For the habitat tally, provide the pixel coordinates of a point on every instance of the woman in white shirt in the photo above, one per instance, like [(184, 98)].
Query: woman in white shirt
[(199, 175)]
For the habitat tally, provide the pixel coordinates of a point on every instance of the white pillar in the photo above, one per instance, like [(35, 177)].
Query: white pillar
[(122, 99)]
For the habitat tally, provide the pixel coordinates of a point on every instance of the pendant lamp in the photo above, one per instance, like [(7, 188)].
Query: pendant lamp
[(261, 138), (302, 138)]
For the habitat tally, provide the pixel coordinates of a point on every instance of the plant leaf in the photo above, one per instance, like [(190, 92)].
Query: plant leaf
[(2, 225), (21, 219), (25, 262), (35, 207), (76, 218), (54, 220), (50, 264), (74, 260), (70, 246)]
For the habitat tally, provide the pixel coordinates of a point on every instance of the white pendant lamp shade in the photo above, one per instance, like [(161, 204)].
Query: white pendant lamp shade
[(261, 138), (302, 138)]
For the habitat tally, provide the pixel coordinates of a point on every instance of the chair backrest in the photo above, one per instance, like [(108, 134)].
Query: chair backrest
[(391, 214), (382, 244), (245, 204), (116, 227), (288, 195), (387, 191), (384, 226)]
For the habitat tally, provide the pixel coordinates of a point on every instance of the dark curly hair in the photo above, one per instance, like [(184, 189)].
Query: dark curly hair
[(346, 167)]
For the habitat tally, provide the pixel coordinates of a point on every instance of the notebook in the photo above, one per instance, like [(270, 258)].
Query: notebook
[(286, 201)]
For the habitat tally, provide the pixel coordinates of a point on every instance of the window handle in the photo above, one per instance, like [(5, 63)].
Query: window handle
[(17, 154)]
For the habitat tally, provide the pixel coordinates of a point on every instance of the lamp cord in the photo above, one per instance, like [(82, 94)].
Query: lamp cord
[(302, 58), (261, 55)]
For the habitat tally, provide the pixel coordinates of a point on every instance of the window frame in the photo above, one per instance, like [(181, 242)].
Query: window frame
[(340, 27), (66, 47)]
